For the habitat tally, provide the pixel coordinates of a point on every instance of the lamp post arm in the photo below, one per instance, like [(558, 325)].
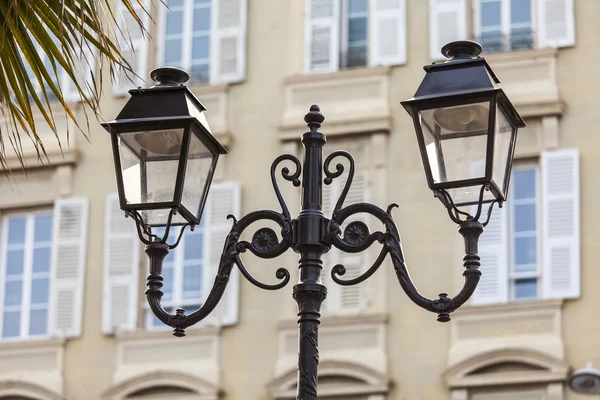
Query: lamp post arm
[(356, 238), (264, 244)]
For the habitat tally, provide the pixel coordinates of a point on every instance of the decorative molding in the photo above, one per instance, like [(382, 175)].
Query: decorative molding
[(532, 325), (352, 379), (121, 390), (18, 388), (32, 366), (39, 187), (216, 100), (355, 101), (542, 369), (530, 80), (341, 321)]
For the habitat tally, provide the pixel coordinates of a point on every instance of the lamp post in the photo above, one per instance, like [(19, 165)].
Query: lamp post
[(165, 156)]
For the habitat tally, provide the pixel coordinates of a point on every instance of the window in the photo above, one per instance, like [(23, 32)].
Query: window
[(530, 248), (27, 244), (189, 270), (204, 37), (354, 33), (524, 233), (502, 25), (41, 271), (505, 25)]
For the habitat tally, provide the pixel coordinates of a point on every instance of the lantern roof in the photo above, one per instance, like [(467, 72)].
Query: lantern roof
[(465, 73), (169, 99)]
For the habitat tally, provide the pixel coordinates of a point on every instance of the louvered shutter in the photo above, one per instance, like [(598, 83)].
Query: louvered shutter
[(387, 32), (560, 224), (556, 22), (322, 35), (330, 195), (228, 41), (134, 46), (351, 298), (68, 266), (447, 22), (223, 199), (121, 269), (494, 253)]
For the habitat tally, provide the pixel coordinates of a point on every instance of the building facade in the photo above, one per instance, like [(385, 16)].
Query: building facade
[(73, 320)]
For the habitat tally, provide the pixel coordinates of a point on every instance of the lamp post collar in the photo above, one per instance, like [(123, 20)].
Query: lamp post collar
[(462, 49)]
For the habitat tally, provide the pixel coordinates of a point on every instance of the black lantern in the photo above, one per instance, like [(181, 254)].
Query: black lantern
[(164, 152), (466, 127)]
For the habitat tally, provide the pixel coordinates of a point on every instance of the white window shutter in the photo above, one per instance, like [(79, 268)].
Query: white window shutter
[(223, 199), (447, 22), (133, 42), (330, 195), (560, 223), (121, 269), (228, 41), (387, 32), (68, 266), (322, 35), (494, 253), (556, 23)]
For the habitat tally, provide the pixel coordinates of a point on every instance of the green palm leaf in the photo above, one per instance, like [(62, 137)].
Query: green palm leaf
[(54, 52)]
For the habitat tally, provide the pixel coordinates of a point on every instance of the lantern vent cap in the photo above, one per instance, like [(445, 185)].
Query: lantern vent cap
[(169, 76), (462, 49), (585, 380)]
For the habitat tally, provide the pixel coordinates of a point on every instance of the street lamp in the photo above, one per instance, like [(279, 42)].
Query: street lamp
[(461, 119)]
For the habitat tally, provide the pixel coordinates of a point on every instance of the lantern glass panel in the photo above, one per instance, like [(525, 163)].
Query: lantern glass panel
[(198, 171), (149, 163), (454, 137), (502, 150)]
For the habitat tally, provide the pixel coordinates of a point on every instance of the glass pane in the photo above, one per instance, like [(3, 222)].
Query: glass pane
[(43, 228), (523, 184), (41, 259), (192, 281), (167, 284), (491, 13), (525, 251), (525, 217), (456, 143), (503, 138), (38, 322), (357, 56), (12, 295), (174, 22), (520, 11), (193, 246), (521, 38), (40, 290), (357, 30), (356, 6), (175, 3), (14, 262), (199, 73), (16, 230), (492, 41), (11, 326), (196, 175), (202, 19), (526, 288), (173, 49), (200, 48)]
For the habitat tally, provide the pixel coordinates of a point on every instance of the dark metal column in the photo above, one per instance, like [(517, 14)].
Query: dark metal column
[(309, 292)]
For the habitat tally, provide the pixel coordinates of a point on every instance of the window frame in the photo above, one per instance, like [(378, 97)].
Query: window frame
[(188, 8), (505, 23), (512, 275), (27, 275)]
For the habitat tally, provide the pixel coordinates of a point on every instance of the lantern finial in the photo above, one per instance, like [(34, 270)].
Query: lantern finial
[(462, 49), (169, 76)]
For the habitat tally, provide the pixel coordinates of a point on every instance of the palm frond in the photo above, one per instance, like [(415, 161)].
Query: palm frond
[(52, 52)]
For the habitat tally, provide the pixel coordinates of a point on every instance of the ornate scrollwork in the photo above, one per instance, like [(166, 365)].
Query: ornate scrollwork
[(356, 233), (339, 170), (265, 239), (455, 213), (285, 173), (443, 305)]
